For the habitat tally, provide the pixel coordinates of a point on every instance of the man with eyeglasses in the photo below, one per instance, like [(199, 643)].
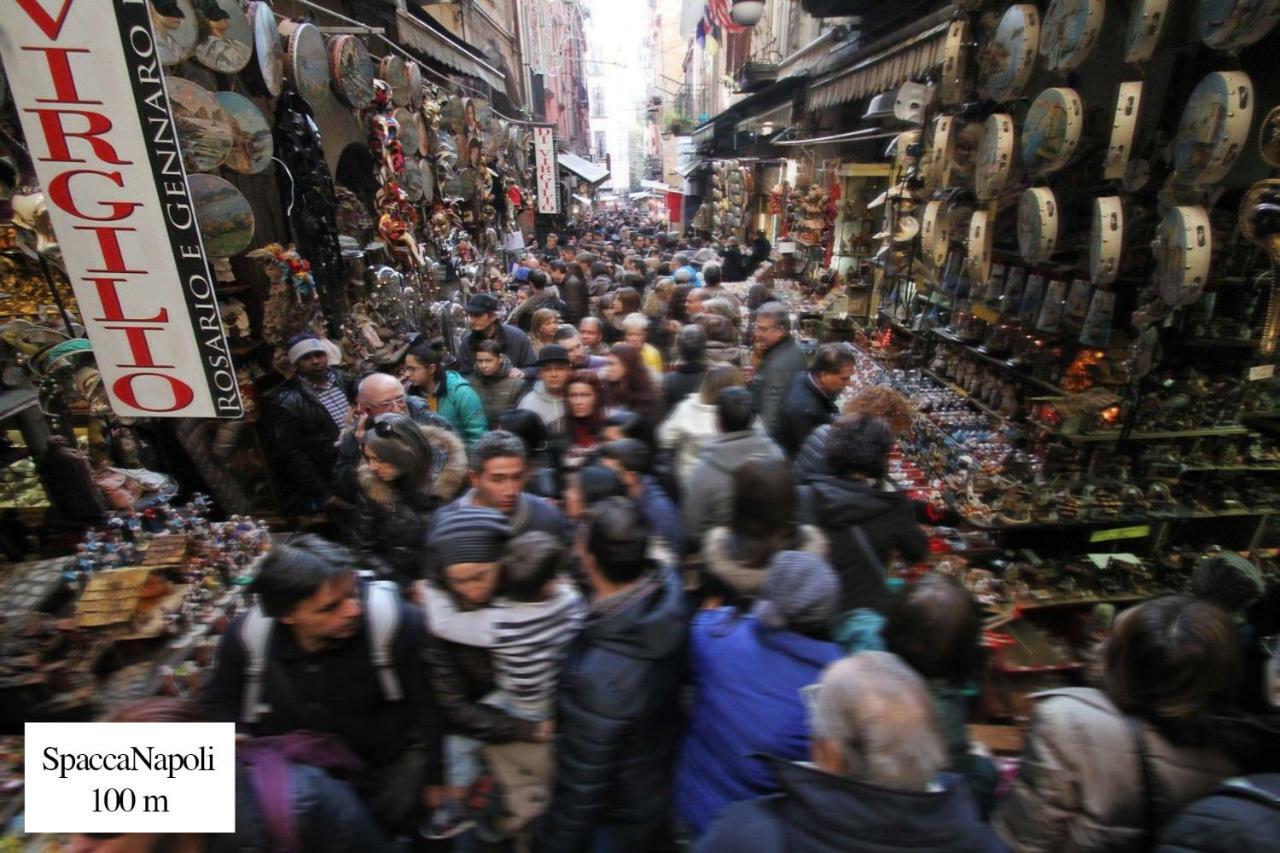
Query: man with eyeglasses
[(381, 394)]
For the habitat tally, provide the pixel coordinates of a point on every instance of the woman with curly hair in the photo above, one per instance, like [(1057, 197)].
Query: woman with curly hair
[(628, 382), (876, 401)]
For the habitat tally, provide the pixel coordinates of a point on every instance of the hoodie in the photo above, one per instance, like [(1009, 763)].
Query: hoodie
[(618, 717), (818, 812), (887, 520), (708, 490), (550, 409)]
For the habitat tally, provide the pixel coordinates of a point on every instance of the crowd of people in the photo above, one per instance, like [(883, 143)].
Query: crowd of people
[(615, 576)]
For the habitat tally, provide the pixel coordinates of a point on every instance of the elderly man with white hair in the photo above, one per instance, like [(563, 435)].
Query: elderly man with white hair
[(875, 782)]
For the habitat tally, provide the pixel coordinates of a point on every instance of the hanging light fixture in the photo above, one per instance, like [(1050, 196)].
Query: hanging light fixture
[(746, 13)]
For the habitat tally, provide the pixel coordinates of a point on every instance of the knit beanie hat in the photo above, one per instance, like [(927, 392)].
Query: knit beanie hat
[(800, 592), (469, 535), (1227, 580)]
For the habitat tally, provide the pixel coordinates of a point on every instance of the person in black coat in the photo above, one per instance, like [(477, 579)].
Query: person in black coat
[(1241, 814), (482, 311), (811, 399), (734, 265), (577, 304), (305, 416), (618, 705), (875, 782), (760, 250), (865, 523), (691, 347)]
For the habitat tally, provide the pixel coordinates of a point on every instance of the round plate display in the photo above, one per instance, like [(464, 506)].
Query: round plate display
[(1233, 24), (1052, 130), (224, 216), (995, 156), (176, 28), (1011, 56), (1262, 193), (979, 260), (1037, 224), (266, 46), (934, 239), (226, 41), (408, 133), (1269, 139), (306, 62), (1106, 239), (424, 138), (205, 131), (1214, 128), (351, 70), (251, 145), (1070, 32), (414, 74), (1123, 128), (955, 63), (411, 180), (395, 71), (940, 154), (428, 180), (1184, 245), (1146, 20)]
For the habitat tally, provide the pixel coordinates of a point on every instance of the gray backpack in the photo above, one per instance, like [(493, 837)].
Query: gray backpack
[(382, 611)]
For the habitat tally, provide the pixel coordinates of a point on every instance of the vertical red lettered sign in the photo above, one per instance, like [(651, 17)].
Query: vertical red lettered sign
[(544, 162), (90, 93)]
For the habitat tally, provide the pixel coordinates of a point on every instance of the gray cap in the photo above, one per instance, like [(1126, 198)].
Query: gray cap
[(469, 535), (1227, 580), (800, 592)]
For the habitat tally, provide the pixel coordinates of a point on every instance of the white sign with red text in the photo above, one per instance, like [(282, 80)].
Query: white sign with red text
[(90, 92), (544, 161)]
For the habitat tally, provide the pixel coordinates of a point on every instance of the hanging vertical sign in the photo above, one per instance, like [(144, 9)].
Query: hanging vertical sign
[(90, 92), (544, 158)]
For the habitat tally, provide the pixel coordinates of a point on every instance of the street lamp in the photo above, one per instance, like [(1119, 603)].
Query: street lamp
[(746, 13)]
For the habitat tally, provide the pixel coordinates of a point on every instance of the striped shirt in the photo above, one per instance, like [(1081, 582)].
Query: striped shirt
[(527, 640), (335, 401)]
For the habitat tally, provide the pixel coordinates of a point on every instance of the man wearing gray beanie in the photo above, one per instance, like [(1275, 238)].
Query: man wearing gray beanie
[(1227, 580), (800, 593)]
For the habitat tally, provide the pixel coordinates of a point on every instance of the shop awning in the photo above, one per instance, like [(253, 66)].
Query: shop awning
[(592, 173), (692, 166), (881, 70), (643, 194), (414, 34), (582, 199), (656, 185), (778, 117)]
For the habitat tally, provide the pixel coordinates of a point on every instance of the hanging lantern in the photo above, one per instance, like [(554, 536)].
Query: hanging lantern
[(746, 13)]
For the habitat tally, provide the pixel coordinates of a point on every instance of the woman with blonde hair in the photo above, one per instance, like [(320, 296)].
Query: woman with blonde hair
[(695, 419), (542, 328)]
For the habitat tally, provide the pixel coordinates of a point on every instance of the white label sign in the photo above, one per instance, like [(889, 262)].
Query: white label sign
[(1262, 371), (544, 155), (90, 94)]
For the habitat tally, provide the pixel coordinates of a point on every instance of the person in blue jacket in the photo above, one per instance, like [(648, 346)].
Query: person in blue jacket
[(447, 393), (749, 671)]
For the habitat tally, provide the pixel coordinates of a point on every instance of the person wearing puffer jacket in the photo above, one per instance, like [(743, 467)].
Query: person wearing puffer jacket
[(493, 382), (708, 496), (748, 670), (447, 392), (694, 421)]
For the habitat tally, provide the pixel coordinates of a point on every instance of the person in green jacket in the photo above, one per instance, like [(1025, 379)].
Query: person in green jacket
[(447, 393)]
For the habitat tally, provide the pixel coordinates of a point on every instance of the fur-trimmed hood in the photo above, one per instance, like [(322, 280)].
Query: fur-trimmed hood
[(449, 470), (717, 551)]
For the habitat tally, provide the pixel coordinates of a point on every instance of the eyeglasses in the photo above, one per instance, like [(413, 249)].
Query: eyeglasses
[(393, 403)]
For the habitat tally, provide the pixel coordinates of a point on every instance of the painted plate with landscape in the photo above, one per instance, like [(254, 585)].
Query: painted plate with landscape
[(251, 145), (224, 216), (205, 131)]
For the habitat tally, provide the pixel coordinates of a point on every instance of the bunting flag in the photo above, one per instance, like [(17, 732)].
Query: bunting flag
[(700, 35), (718, 12)]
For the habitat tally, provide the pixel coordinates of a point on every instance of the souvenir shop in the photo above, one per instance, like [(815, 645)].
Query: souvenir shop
[(342, 186)]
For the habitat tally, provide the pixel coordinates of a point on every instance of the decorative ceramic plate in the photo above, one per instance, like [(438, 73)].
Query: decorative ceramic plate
[(1070, 32), (979, 260), (306, 62), (266, 45), (1052, 130), (205, 131), (351, 71), (1037, 224), (1123, 128), (940, 156), (1011, 56), (1106, 239), (1262, 193), (408, 133), (1184, 245), (1146, 20), (424, 138), (1269, 139), (251, 145), (955, 63), (995, 157), (176, 29), (1214, 128), (411, 180), (414, 74), (1233, 24), (395, 70), (226, 40), (224, 216)]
